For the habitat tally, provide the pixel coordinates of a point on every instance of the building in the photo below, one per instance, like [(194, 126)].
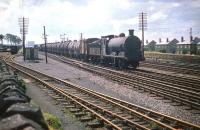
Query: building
[(31, 51), (174, 46), (166, 46)]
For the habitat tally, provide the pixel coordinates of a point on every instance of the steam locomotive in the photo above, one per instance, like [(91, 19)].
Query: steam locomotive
[(119, 51)]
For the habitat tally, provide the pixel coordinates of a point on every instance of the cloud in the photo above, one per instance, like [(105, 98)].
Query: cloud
[(158, 16), (98, 17)]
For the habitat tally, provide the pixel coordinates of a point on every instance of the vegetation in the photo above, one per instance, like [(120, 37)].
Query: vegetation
[(146, 49), (193, 49), (176, 57), (185, 51), (154, 126), (53, 122), (12, 39), (162, 51), (21, 83), (1, 38)]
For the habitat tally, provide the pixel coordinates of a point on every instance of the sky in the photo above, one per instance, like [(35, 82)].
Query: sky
[(95, 18)]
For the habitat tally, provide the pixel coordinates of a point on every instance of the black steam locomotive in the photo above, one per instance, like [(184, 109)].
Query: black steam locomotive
[(121, 51)]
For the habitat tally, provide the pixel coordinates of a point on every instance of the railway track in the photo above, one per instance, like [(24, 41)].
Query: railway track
[(192, 70), (100, 110), (182, 95), (174, 63), (192, 84)]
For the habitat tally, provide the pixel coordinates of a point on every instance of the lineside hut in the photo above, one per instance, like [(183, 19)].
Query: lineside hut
[(31, 51)]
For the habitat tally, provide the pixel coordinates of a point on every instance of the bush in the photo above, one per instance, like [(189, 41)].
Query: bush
[(162, 51), (184, 51)]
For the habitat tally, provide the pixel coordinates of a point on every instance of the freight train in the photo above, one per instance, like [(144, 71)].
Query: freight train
[(119, 51)]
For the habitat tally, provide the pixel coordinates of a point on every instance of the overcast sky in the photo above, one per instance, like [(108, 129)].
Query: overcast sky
[(94, 18)]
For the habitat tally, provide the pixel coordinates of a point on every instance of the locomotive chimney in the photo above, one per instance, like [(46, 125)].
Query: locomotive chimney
[(160, 40), (182, 39), (131, 32)]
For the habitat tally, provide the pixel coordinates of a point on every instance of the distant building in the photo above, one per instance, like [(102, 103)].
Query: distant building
[(174, 46), (151, 45)]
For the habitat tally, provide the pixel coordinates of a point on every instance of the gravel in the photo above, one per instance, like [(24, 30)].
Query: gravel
[(100, 84), (49, 105)]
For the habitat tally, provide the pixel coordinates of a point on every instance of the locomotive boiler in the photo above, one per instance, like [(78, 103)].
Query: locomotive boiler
[(120, 51)]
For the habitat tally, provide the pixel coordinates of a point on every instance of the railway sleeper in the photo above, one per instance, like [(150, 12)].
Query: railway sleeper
[(126, 127), (80, 114), (95, 124), (69, 106), (176, 104), (127, 116), (74, 110), (86, 118), (94, 101), (56, 97)]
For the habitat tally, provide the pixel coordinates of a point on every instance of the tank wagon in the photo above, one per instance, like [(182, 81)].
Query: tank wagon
[(119, 51)]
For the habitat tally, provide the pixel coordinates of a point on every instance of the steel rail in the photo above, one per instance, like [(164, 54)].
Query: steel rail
[(174, 68), (167, 93), (90, 90), (135, 112), (104, 110), (58, 90), (180, 82)]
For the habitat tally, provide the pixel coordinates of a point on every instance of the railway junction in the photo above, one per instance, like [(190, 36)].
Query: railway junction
[(87, 96), (93, 67)]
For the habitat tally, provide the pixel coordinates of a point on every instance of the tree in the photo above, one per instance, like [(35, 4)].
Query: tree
[(18, 40), (1, 38), (13, 39)]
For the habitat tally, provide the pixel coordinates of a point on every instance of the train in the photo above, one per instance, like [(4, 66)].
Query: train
[(119, 51), (13, 49)]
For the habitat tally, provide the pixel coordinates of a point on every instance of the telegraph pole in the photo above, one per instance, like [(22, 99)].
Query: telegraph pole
[(191, 35), (142, 26), (23, 35), (45, 43), (23, 23)]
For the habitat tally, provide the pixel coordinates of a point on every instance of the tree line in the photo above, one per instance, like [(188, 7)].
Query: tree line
[(12, 39)]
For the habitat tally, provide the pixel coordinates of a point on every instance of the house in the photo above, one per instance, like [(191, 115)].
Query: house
[(167, 46), (162, 45), (171, 46), (151, 45)]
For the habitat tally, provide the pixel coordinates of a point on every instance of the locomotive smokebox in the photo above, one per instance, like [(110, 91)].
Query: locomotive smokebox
[(131, 32)]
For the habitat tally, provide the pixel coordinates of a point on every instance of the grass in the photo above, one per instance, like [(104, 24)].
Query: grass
[(153, 125), (22, 84), (53, 122)]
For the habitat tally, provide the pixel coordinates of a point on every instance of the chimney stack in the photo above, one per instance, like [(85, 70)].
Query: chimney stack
[(147, 41), (160, 40), (191, 38), (167, 40), (131, 32), (182, 39)]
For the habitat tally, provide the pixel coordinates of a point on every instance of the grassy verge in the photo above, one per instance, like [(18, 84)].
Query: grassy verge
[(22, 84), (53, 122)]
